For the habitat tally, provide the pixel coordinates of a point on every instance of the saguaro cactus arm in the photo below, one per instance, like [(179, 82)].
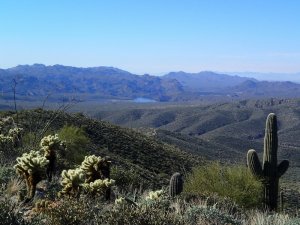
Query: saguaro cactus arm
[(282, 167), (254, 163)]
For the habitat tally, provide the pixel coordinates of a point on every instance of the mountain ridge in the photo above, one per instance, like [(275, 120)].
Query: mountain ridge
[(35, 82)]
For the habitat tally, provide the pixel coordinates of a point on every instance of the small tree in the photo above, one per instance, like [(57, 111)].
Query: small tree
[(76, 141)]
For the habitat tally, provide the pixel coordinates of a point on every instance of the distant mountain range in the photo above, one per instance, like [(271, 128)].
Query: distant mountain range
[(207, 81), (109, 83), (293, 77), (88, 83)]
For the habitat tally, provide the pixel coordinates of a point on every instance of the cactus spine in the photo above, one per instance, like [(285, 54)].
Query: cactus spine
[(269, 172), (176, 185)]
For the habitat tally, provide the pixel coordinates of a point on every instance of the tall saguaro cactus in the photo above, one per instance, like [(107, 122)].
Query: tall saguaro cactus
[(269, 172)]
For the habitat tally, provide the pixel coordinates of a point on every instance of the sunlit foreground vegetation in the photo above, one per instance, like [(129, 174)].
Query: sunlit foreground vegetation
[(62, 169)]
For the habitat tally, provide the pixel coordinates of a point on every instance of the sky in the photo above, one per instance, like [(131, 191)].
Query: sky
[(154, 36)]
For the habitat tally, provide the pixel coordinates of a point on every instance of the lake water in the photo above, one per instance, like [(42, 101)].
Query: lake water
[(143, 100)]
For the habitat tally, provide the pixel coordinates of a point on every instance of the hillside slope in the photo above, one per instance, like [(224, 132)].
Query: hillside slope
[(223, 130), (152, 159)]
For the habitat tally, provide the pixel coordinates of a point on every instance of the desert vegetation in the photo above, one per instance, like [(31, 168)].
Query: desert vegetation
[(58, 168)]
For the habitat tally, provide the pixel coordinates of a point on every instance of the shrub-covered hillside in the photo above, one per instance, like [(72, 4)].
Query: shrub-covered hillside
[(152, 160), (58, 168)]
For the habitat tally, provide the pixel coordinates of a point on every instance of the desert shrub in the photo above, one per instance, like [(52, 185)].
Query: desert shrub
[(76, 141), (209, 215), (235, 182), (30, 140), (125, 179), (71, 211), (151, 208), (9, 214), (6, 173), (141, 215), (260, 218), (293, 221)]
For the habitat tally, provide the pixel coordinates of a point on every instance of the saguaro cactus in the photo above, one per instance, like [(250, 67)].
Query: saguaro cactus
[(176, 185), (269, 172)]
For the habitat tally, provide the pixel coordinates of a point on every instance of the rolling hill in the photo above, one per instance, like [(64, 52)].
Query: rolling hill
[(221, 130)]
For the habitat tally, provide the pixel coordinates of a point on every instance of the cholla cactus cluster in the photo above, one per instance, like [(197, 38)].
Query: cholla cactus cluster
[(15, 134), (32, 162), (98, 186), (6, 141), (72, 181), (6, 123), (10, 134), (155, 195), (92, 176), (50, 143), (95, 167), (36, 165), (32, 167)]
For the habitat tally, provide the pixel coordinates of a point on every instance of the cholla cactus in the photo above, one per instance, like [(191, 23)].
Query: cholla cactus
[(6, 123), (51, 142), (72, 181), (120, 201), (6, 142), (31, 166), (98, 187), (15, 134), (154, 195), (49, 145), (95, 168), (10, 134)]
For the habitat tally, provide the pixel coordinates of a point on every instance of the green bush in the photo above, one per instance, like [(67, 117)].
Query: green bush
[(9, 214), (200, 214), (126, 178), (70, 211), (6, 173), (235, 182), (76, 141), (141, 215)]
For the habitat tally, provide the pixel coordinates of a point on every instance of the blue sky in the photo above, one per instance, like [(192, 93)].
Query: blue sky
[(153, 36)]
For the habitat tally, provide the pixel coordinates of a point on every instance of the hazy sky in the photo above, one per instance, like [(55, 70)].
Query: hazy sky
[(153, 36)]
